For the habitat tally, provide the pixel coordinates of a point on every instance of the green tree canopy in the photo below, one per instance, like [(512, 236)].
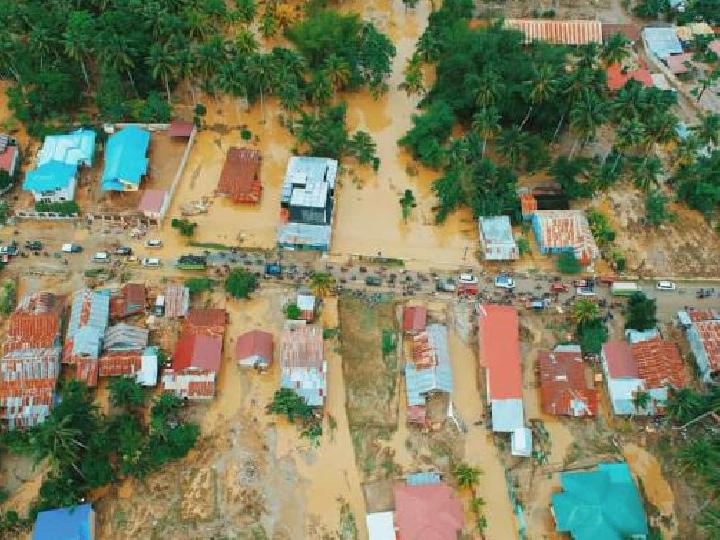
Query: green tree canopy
[(240, 283), (641, 312)]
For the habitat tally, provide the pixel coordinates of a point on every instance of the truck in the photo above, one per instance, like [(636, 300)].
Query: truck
[(624, 288), (273, 269), (191, 262)]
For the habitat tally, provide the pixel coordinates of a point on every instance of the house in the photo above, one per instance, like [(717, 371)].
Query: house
[(89, 318), (125, 337), (499, 343), (9, 155), (126, 161), (306, 304), (55, 177), (414, 319), (130, 301), (240, 176), (661, 41), (618, 75), (307, 203), (703, 335), (302, 363), (659, 365), (572, 32), (430, 370), (601, 503), (198, 355), (181, 129), (564, 387), (496, 238), (153, 203), (70, 523), (30, 362), (622, 377), (558, 231), (141, 364), (176, 300), (427, 510), (254, 349)]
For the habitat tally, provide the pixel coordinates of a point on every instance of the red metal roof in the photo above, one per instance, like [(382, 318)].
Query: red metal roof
[(302, 348), (617, 78), (563, 382), (206, 321), (180, 128), (528, 204), (620, 360), (197, 351), (659, 363), (702, 314), (130, 302), (254, 343), (414, 318), (240, 176), (500, 350), (152, 201), (6, 158), (427, 512), (571, 32), (35, 323), (120, 363)]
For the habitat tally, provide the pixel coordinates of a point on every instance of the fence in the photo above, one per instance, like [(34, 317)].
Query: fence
[(51, 216)]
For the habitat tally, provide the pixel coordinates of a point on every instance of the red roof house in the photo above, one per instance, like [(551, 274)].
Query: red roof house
[(414, 319), (197, 352), (659, 363), (152, 202), (620, 361), (207, 320), (240, 176), (130, 301), (678, 63), (9, 159), (564, 389), (427, 512), (617, 76), (254, 349)]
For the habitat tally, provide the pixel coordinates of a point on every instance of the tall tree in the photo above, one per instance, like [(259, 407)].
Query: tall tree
[(615, 49), (163, 65), (486, 123), (78, 39)]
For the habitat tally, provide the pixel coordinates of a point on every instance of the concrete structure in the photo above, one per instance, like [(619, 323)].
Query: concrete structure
[(564, 387), (254, 350), (126, 160), (240, 176), (600, 504), (307, 203), (70, 523), (558, 231), (302, 363), (496, 239), (89, 318), (622, 377), (572, 32)]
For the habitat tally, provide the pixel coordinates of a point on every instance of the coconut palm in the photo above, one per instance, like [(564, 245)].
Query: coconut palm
[(163, 64), (513, 144), (117, 53), (337, 71), (683, 404), (245, 43), (320, 90), (641, 400), (710, 520), (322, 283), (486, 123), (260, 73), (585, 311), (615, 49), (413, 77), (210, 56), (686, 151), (78, 39), (407, 203), (587, 114), (58, 441), (488, 88), (698, 456), (630, 134), (543, 86), (646, 172), (466, 475)]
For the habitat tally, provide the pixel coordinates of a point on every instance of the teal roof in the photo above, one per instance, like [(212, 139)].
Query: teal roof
[(125, 158), (49, 176), (600, 505), (74, 148), (70, 523)]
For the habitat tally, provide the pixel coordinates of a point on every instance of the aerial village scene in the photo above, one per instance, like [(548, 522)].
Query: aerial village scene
[(381, 269)]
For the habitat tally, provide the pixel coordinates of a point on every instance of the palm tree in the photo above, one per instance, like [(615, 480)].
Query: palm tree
[(710, 520), (486, 123), (585, 311), (320, 89), (245, 43), (362, 146), (78, 39), (59, 442), (413, 77), (337, 71), (586, 116), (543, 86), (629, 134), (513, 143), (683, 404), (116, 52), (322, 283), (641, 400), (260, 71), (163, 64), (466, 475), (210, 56), (698, 456), (709, 129), (588, 55), (488, 88), (615, 50), (686, 151), (646, 172), (197, 23), (407, 203)]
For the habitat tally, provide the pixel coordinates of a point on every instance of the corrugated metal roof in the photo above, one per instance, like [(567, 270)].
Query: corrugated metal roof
[(414, 318), (564, 389), (177, 300), (88, 320), (500, 351), (75, 148), (240, 176), (572, 32), (302, 363), (206, 320), (507, 415), (497, 238), (662, 41), (181, 128), (49, 177), (620, 362), (565, 229), (255, 343), (659, 363), (191, 385), (152, 201), (307, 180), (304, 234), (123, 337), (76, 523), (7, 158), (125, 158), (427, 509), (631, 32), (432, 370), (198, 351)]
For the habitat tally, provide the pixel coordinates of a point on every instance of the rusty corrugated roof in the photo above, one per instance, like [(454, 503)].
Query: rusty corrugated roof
[(240, 176), (659, 363), (564, 389), (572, 32)]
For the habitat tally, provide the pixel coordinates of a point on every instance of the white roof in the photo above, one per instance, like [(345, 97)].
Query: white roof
[(521, 442), (507, 415), (306, 302), (621, 394), (380, 526), (148, 374)]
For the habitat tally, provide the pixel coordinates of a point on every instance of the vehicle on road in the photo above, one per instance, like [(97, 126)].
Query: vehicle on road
[(468, 279), (151, 262), (665, 286), (33, 245), (504, 282), (624, 288), (10, 250), (123, 250), (71, 248), (153, 243), (585, 291), (444, 285), (373, 281), (705, 293), (273, 269), (192, 262), (558, 287), (101, 257)]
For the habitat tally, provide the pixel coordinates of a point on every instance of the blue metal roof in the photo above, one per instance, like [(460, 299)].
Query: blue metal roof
[(49, 176), (419, 382), (126, 159), (71, 523), (422, 478), (73, 148)]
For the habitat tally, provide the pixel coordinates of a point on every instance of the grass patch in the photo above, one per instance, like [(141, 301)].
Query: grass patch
[(211, 245)]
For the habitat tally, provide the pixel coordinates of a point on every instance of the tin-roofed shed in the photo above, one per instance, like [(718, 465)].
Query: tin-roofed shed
[(254, 349), (423, 378)]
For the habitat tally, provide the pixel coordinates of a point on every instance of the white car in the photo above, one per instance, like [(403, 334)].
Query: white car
[(468, 279), (504, 282), (585, 291), (153, 243), (666, 286), (151, 262), (101, 257)]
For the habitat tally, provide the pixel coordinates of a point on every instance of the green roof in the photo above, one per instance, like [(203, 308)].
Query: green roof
[(600, 505)]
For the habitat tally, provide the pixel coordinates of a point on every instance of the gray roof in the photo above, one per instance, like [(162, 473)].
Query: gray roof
[(419, 382), (636, 336), (307, 180), (507, 415), (497, 229), (125, 337), (88, 321), (304, 234), (662, 41)]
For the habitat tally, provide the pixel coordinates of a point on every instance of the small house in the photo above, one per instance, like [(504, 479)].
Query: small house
[(662, 41), (89, 317), (176, 300), (254, 350), (569, 32), (125, 337), (622, 377), (496, 238), (9, 155), (181, 129), (414, 319), (659, 365), (153, 203), (618, 76), (130, 301), (126, 161), (630, 32), (139, 364), (69, 523), (240, 176), (564, 386), (600, 503), (559, 231), (427, 506), (302, 363), (306, 305)]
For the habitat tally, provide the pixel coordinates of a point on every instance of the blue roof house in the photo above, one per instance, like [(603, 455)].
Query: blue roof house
[(76, 148), (126, 160), (600, 504), (71, 523)]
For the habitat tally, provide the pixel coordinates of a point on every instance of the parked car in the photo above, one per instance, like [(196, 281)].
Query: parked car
[(10, 250), (665, 286), (273, 269), (504, 282), (123, 250), (468, 279), (151, 262), (585, 291), (33, 245), (101, 257), (71, 248), (373, 281), (444, 285), (153, 243), (558, 287), (705, 293)]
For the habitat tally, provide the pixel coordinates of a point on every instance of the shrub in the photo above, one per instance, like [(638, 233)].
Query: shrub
[(568, 264)]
